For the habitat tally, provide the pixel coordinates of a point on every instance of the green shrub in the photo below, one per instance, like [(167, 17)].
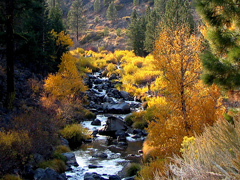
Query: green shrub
[(133, 169), (129, 120), (75, 134), (106, 31), (140, 124), (96, 20), (118, 31), (62, 149), (55, 164), (89, 115)]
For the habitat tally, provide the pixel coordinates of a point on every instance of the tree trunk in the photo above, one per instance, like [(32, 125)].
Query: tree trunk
[(10, 54)]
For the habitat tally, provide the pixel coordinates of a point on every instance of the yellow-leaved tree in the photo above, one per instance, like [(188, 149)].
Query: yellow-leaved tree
[(186, 104), (68, 81)]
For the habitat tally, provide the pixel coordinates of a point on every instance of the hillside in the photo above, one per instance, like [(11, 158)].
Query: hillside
[(93, 36)]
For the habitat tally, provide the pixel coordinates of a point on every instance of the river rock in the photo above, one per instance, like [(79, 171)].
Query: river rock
[(125, 95), (129, 178), (93, 176), (94, 166), (113, 125), (64, 142), (71, 159), (96, 122), (113, 76), (114, 177), (47, 174), (100, 155), (120, 108)]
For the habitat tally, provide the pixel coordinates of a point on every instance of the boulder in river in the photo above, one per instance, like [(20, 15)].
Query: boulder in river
[(114, 177), (120, 108), (93, 176), (113, 125), (71, 159), (96, 122), (100, 155), (47, 174)]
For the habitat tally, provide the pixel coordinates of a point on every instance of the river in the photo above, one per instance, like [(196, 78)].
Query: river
[(117, 156)]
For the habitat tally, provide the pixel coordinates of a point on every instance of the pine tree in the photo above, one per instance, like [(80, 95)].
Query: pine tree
[(112, 12), (135, 2), (55, 17), (107, 2), (151, 31), (178, 12), (221, 62), (97, 6), (136, 34), (159, 6), (76, 21)]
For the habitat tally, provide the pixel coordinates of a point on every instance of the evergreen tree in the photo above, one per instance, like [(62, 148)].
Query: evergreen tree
[(97, 6), (107, 2), (76, 21), (151, 31), (178, 12), (135, 2), (55, 16), (221, 62), (136, 34), (159, 6), (112, 12)]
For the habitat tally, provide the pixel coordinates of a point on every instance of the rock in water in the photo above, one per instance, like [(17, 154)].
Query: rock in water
[(112, 126), (121, 108), (48, 174), (96, 122)]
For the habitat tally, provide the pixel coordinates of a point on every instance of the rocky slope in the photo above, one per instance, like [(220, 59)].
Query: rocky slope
[(93, 36)]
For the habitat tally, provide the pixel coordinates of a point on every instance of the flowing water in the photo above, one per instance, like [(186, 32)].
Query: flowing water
[(117, 156)]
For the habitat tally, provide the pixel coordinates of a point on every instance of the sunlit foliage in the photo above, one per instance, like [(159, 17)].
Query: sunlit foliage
[(212, 155), (186, 105), (68, 81)]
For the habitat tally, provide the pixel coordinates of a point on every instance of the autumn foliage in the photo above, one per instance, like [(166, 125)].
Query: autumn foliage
[(186, 105)]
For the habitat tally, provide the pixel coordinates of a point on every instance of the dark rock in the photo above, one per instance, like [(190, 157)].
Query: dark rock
[(64, 141), (113, 76), (96, 122), (144, 132), (71, 159), (28, 171), (100, 155), (114, 177), (94, 166), (140, 151), (94, 133), (108, 99), (113, 125), (121, 108), (38, 158), (136, 136), (48, 174), (93, 176), (97, 81), (88, 140), (125, 95), (129, 178), (137, 131)]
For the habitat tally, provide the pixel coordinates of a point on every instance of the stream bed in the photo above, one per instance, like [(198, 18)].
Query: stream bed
[(105, 156)]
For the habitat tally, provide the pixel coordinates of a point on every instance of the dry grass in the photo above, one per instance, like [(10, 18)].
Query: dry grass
[(214, 155)]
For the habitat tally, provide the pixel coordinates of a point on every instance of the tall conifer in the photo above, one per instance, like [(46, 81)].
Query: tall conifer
[(76, 21), (221, 62)]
